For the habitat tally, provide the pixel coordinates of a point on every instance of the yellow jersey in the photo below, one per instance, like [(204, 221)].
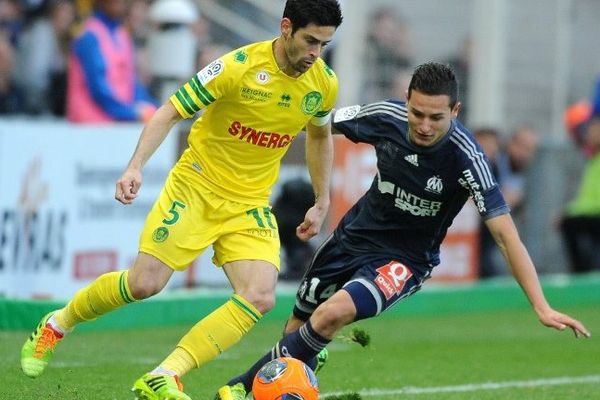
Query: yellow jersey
[(252, 113)]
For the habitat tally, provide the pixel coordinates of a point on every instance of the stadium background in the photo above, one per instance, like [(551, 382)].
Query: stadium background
[(60, 228), (529, 61)]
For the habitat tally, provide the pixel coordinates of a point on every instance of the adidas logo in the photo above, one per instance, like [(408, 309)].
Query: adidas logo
[(413, 159)]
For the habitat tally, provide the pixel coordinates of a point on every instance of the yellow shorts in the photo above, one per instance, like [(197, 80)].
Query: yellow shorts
[(187, 218)]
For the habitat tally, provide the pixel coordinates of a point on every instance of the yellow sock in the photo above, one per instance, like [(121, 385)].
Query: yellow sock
[(108, 292), (180, 361), (214, 334)]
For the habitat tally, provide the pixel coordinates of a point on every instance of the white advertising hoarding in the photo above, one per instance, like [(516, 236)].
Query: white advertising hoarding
[(60, 225)]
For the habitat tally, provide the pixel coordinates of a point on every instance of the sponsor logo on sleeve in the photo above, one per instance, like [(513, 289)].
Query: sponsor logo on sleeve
[(346, 113), (211, 71), (468, 182)]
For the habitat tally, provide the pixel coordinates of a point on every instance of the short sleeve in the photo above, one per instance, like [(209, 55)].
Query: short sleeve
[(478, 179), (358, 124), (209, 84), (323, 115)]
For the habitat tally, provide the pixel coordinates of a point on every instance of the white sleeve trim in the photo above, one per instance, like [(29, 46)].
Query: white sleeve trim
[(321, 121)]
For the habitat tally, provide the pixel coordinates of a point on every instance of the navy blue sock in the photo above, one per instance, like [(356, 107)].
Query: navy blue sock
[(312, 363), (304, 344)]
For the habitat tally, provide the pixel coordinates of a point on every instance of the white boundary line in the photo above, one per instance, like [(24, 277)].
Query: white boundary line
[(473, 387)]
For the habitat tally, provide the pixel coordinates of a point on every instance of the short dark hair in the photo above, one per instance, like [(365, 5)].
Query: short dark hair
[(433, 79), (318, 12)]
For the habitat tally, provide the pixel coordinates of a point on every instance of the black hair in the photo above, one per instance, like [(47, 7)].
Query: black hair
[(433, 79), (318, 12)]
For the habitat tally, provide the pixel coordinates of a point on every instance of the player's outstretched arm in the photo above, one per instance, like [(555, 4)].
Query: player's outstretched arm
[(319, 158), (506, 236), (152, 136)]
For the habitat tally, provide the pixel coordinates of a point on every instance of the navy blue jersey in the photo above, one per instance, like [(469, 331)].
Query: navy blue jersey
[(417, 191)]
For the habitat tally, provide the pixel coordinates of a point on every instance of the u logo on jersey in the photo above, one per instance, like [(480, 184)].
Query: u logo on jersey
[(262, 77), (434, 185)]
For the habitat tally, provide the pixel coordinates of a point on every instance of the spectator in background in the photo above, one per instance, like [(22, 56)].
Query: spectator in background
[(387, 52), (580, 226), (400, 83), (210, 52), (137, 24), (490, 258), (521, 149), (103, 85), (11, 96), (575, 118), (461, 63), (11, 20), (596, 100), (43, 55), (84, 8), (509, 166)]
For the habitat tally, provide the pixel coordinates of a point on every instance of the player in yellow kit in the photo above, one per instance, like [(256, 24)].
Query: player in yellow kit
[(256, 100)]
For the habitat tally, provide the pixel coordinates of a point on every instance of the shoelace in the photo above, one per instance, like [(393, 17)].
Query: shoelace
[(178, 382), (47, 342)]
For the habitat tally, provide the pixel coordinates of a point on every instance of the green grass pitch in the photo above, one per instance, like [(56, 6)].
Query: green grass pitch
[(482, 355)]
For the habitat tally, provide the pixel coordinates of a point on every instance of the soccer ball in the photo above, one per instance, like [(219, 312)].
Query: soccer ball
[(285, 378)]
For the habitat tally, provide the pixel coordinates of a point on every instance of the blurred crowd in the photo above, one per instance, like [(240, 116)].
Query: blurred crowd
[(580, 222), (510, 158), (40, 38), (58, 52)]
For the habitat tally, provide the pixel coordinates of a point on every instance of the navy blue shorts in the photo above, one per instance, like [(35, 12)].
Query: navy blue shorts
[(374, 282)]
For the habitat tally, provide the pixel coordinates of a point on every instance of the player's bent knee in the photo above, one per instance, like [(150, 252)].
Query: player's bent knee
[(143, 290), (262, 301), (143, 286)]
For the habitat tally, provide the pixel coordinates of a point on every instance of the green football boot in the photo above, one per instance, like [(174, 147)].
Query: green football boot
[(38, 350), (235, 392), (322, 358), (159, 387)]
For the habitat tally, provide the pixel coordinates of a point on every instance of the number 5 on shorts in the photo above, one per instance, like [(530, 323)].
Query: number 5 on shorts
[(174, 214)]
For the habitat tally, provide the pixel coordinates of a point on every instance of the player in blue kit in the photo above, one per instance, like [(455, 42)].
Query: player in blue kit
[(385, 247)]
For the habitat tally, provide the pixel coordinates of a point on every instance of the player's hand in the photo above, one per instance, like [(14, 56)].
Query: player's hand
[(554, 319), (128, 186), (312, 222)]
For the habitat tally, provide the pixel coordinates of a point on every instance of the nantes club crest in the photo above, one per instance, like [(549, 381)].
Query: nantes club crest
[(311, 103)]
